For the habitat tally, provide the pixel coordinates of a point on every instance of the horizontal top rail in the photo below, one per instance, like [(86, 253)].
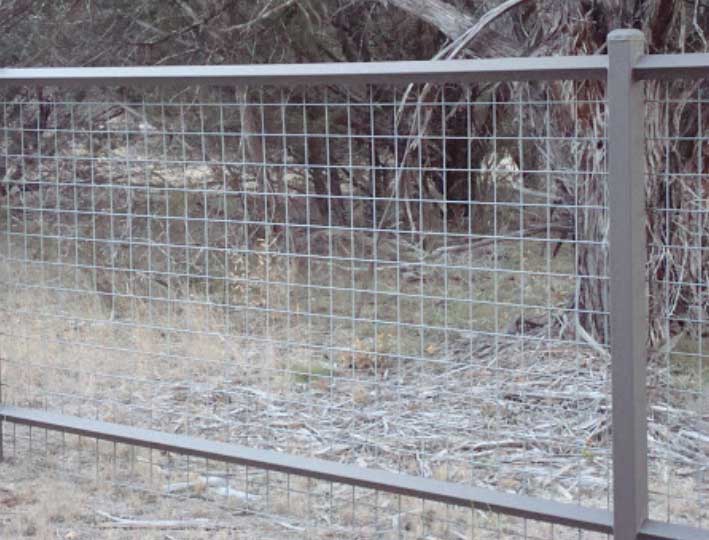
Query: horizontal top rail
[(498, 69), (693, 65), (675, 66)]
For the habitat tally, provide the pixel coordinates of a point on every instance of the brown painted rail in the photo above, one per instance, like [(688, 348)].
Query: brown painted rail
[(399, 484)]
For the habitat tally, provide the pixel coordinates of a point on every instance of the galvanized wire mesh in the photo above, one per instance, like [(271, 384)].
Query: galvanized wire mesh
[(410, 278), (678, 150)]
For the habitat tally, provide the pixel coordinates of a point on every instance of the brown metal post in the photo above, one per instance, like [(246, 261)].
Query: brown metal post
[(628, 283), (2, 420)]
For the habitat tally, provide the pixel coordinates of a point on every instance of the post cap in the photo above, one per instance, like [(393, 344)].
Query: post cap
[(626, 34)]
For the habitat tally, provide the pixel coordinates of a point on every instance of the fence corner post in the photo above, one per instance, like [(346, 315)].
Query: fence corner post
[(628, 282)]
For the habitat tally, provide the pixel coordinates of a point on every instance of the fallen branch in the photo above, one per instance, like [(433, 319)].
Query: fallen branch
[(168, 524)]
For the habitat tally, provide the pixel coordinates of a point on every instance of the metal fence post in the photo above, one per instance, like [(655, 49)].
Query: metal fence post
[(2, 418), (628, 282)]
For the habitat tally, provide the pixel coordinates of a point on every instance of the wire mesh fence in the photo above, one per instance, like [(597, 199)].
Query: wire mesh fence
[(412, 278), (677, 140), (226, 501), (385, 276)]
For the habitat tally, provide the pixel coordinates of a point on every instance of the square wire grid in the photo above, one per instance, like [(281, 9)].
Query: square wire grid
[(411, 278), (110, 489), (677, 126)]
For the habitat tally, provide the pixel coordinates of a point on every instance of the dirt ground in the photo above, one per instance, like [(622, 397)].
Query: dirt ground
[(34, 504)]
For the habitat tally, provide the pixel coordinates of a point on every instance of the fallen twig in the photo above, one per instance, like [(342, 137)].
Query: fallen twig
[(116, 522)]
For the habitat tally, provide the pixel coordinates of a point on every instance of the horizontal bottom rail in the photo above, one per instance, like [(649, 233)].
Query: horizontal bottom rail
[(433, 490), (658, 530)]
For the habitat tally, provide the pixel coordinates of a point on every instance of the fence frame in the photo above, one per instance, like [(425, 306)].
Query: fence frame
[(624, 68)]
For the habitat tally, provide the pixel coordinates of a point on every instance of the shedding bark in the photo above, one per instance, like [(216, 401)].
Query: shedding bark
[(462, 28), (445, 17)]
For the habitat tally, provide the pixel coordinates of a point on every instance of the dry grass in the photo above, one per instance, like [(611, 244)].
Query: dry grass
[(47, 503), (93, 507)]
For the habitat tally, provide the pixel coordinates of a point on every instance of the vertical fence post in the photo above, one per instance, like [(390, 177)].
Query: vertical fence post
[(628, 282), (2, 418)]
